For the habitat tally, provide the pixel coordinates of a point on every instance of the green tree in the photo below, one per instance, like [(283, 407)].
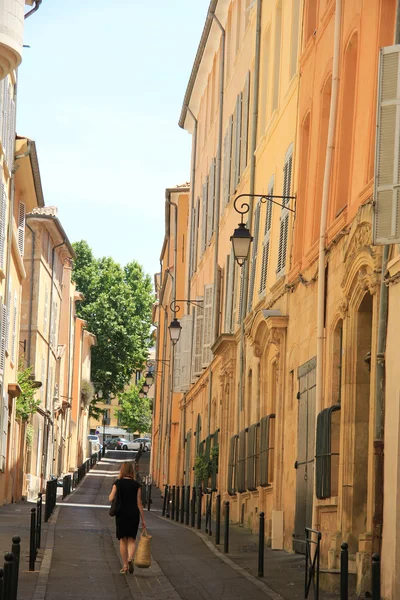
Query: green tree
[(117, 307), (27, 404), (134, 413)]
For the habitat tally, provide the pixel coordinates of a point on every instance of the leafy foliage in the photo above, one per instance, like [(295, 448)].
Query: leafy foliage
[(27, 404), (117, 307), (201, 468), (134, 413), (87, 391), (29, 435)]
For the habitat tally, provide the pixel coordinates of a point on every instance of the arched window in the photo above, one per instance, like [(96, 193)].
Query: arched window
[(346, 124), (322, 142)]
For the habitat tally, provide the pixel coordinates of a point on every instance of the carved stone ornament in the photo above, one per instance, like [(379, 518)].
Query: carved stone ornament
[(343, 307), (369, 280), (361, 238)]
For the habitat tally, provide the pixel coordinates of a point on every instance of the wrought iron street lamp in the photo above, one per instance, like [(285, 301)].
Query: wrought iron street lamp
[(141, 394), (241, 238), (175, 327), (145, 388), (149, 378)]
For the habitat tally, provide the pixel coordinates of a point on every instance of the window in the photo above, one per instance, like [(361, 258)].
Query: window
[(197, 340), (302, 196), (326, 459), (266, 449), (241, 465), (345, 141), (21, 228), (210, 201), (277, 54), (229, 295), (245, 124), (266, 42), (284, 220), (237, 128), (227, 162), (294, 42), (204, 195), (266, 239), (252, 457), (207, 325), (14, 330), (232, 465)]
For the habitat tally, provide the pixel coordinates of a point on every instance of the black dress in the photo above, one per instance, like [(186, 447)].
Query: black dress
[(127, 521)]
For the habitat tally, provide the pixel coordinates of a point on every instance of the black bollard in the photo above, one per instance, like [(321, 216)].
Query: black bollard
[(1, 583), (32, 544), (177, 500), (47, 511), (344, 572), (149, 498), (182, 504), (8, 575), (187, 505), (207, 506), (16, 550), (199, 508), (376, 577), (164, 508), (193, 508), (218, 519), (226, 528), (173, 503), (210, 515), (261, 545), (39, 519)]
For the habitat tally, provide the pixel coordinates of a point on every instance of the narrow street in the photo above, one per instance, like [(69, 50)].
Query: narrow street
[(85, 561)]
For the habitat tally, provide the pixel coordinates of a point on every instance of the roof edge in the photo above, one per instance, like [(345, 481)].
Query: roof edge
[(60, 228)]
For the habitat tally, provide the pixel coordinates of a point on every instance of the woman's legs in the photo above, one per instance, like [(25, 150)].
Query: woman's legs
[(123, 548), (131, 547)]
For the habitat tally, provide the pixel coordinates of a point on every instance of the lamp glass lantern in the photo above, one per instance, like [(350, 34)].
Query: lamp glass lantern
[(145, 388), (175, 329), (149, 378), (241, 240), (141, 394)]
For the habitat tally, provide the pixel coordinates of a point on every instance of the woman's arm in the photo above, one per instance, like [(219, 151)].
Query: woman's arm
[(140, 506), (113, 492)]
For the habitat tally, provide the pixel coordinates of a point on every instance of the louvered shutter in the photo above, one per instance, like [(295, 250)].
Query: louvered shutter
[(198, 340), (229, 159), (5, 121), (238, 135), (3, 328), (210, 202), (55, 338), (204, 217), (233, 159), (42, 376), (230, 266), (46, 310), (265, 447), (386, 210), (225, 193), (14, 330), (185, 352), (196, 233), (245, 124), (4, 433), (3, 219), (236, 285), (251, 463), (284, 219), (240, 306), (177, 362), (192, 241), (231, 465), (218, 305), (253, 265), (8, 319), (266, 240), (11, 132), (241, 475), (21, 228), (207, 325)]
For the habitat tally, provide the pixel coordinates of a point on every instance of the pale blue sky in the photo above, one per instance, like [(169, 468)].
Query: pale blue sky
[(100, 91)]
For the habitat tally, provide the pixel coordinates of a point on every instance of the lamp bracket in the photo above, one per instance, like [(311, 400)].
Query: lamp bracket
[(245, 207), (175, 307)]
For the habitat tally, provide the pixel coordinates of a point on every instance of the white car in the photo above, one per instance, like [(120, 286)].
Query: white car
[(123, 444)]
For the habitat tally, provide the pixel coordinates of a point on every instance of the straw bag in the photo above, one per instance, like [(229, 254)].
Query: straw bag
[(143, 551)]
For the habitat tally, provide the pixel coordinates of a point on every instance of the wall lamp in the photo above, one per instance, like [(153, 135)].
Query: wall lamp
[(241, 238), (175, 327)]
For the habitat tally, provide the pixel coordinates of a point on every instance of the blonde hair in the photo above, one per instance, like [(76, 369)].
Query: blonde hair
[(126, 470)]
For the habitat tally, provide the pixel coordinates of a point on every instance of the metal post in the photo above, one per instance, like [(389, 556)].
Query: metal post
[(47, 507), (183, 504), (226, 528), (1, 583), (164, 508), (16, 550), (199, 508), (8, 574), (149, 498), (173, 503), (318, 556), (218, 519), (207, 505), (193, 508), (177, 505), (376, 577), (344, 572), (210, 515), (187, 505), (32, 545), (261, 535)]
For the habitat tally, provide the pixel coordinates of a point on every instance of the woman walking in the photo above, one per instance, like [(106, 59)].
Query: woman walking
[(130, 508)]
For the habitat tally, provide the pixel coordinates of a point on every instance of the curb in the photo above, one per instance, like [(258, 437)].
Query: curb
[(44, 571), (228, 561)]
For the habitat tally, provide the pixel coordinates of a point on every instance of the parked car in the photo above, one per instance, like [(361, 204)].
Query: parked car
[(94, 442), (146, 443), (112, 444), (123, 444)]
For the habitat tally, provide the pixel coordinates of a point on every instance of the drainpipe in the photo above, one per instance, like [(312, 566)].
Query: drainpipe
[(242, 308), (34, 9), (192, 201), (33, 233), (324, 214), (380, 375)]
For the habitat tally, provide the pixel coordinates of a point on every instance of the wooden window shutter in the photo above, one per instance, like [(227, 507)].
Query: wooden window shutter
[(46, 310), (21, 227), (210, 201), (241, 475), (8, 318), (4, 432), (386, 206), (245, 124), (3, 220), (284, 219), (265, 448), (204, 217), (231, 465), (230, 282), (241, 299), (197, 368), (186, 351), (229, 158), (5, 120), (225, 193), (218, 305), (196, 241), (251, 458), (207, 325), (238, 136), (266, 239), (177, 362), (3, 329), (235, 294), (14, 330), (253, 265)]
